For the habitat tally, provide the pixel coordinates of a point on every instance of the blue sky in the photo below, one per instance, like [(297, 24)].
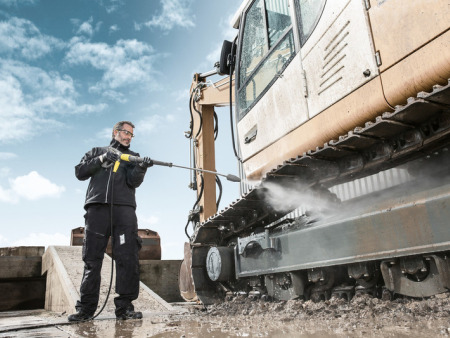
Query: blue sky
[(68, 71)]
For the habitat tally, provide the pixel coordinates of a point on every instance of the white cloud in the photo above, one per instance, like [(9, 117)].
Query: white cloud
[(4, 172), (113, 29), (42, 239), (127, 64), (15, 3), (30, 187), (151, 123), (7, 156), (182, 95), (104, 134), (86, 28), (146, 222), (174, 13), (29, 94), (3, 240), (21, 38), (111, 5), (14, 112), (227, 33), (8, 196)]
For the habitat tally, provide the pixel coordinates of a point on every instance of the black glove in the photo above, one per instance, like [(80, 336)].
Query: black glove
[(112, 155), (146, 163)]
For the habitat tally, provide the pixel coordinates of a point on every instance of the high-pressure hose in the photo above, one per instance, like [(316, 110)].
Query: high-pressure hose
[(111, 207), (111, 214)]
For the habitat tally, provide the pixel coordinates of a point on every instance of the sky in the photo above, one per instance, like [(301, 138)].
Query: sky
[(69, 70)]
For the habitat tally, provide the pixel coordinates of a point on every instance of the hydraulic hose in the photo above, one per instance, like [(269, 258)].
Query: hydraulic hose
[(219, 184), (231, 101), (201, 119), (191, 124), (195, 204), (216, 126)]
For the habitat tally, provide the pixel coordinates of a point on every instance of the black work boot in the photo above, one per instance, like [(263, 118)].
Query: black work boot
[(128, 313), (79, 316)]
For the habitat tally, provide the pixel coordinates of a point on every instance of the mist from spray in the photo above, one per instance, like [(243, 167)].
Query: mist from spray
[(376, 192), (287, 197)]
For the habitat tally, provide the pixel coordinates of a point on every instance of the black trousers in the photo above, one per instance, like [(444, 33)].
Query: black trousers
[(126, 245)]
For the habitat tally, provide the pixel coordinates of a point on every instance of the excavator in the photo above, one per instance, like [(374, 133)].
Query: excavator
[(340, 115)]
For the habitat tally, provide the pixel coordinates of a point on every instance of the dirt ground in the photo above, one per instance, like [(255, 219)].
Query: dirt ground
[(363, 316)]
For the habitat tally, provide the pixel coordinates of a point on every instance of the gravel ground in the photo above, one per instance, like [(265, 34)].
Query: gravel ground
[(363, 315)]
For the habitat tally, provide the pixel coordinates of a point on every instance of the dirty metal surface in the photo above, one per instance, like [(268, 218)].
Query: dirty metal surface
[(404, 229)]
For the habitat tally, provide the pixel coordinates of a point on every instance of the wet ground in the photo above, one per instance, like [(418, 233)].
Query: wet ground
[(241, 317)]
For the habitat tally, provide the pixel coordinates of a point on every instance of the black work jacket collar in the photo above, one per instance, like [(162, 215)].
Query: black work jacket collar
[(117, 145)]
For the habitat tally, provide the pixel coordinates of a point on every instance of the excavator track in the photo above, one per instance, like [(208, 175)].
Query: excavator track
[(413, 130)]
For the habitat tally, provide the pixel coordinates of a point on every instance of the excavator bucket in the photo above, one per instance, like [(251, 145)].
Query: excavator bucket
[(185, 281)]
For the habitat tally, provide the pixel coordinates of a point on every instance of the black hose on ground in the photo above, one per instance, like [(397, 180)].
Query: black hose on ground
[(111, 207)]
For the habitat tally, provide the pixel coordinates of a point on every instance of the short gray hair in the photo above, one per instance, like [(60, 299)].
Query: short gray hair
[(119, 125)]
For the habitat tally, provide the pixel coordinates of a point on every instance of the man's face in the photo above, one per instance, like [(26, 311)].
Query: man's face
[(124, 135)]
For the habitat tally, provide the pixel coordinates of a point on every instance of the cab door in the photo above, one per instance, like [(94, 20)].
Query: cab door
[(270, 86), (338, 54)]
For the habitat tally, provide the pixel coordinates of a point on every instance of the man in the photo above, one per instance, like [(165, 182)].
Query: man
[(111, 194)]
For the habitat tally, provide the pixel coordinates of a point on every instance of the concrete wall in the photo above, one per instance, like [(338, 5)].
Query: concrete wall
[(21, 285), (60, 295), (162, 278)]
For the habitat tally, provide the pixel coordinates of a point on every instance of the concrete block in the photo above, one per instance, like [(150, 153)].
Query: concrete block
[(22, 294), (20, 262), (21, 284), (60, 295), (162, 278)]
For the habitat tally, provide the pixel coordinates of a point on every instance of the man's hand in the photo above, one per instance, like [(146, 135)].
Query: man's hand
[(110, 156), (148, 162)]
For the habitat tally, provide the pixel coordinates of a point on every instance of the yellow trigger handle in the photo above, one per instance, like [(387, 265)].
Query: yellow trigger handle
[(124, 157), (116, 166)]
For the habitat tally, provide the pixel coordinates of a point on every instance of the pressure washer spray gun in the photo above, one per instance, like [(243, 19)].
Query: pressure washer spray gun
[(136, 159)]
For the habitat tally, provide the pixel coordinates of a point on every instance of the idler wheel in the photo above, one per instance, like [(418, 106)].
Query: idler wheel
[(220, 264)]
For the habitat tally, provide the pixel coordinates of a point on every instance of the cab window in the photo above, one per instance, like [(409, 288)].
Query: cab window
[(308, 13), (267, 48)]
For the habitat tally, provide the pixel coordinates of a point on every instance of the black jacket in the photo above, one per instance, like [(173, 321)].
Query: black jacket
[(127, 178)]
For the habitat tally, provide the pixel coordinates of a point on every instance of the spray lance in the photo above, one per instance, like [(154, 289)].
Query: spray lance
[(136, 159)]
